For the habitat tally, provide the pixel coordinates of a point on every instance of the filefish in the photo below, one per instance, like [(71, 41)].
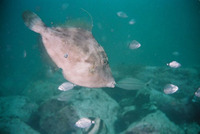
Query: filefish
[(82, 60)]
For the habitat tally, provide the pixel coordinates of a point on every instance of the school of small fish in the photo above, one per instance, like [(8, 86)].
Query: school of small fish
[(128, 83)]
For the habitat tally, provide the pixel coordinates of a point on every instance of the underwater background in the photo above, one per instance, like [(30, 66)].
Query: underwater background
[(168, 30)]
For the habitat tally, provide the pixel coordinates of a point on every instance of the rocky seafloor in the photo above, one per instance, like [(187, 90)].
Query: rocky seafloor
[(42, 108)]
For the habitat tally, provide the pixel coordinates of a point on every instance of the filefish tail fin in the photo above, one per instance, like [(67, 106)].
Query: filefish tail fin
[(33, 21), (130, 84)]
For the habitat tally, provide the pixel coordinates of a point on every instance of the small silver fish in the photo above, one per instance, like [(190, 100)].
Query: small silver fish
[(84, 123), (98, 128), (170, 89), (174, 64), (92, 126), (175, 53), (66, 86), (25, 54), (197, 93), (134, 44), (196, 97), (131, 22), (122, 14)]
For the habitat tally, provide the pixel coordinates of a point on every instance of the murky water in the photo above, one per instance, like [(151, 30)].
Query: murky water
[(166, 31)]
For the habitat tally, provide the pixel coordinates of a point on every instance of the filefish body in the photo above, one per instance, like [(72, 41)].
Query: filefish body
[(82, 60)]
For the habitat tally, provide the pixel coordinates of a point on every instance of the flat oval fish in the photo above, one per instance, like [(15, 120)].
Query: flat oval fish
[(66, 86), (197, 93), (84, 123), (170, 89), (92, 126), (82, 60)]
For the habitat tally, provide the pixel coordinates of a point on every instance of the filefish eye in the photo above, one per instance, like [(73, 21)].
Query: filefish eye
[(105, 62), (66, 55)]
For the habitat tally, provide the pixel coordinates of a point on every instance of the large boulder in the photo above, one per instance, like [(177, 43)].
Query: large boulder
[(15, 113), (15, 126), (17, 107), (41, 90), (62, 111), (58, 118), (154, 123)]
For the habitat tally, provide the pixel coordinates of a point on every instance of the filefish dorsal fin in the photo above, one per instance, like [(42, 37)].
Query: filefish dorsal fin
[(83, 21)]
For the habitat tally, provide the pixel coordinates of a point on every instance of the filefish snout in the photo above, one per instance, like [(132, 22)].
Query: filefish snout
[(111, 84)]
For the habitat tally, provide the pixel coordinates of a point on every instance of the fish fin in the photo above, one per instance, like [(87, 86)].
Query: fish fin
[(78, 20), (130, 84), (91, 20), (33, 21)]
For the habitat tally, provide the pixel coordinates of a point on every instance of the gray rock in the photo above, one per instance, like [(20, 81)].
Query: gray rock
[(41, 90), (57, 118), (191, 128), (15, 126), (155, 123), (16, 107), (59, 114), (177, 110), (93, 103)]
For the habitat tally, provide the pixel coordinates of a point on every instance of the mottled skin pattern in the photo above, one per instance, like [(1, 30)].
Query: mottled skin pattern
[(86, 63)]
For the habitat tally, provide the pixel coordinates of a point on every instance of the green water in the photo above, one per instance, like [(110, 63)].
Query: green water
[(161, 26)]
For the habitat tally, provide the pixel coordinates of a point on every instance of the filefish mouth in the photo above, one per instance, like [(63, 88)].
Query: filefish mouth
[(111, 84)]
